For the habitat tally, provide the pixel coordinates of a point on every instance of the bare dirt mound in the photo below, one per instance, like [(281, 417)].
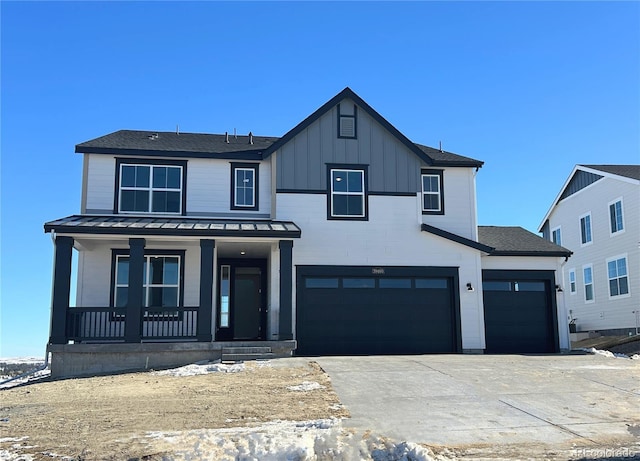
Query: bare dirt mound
[(99, 417)]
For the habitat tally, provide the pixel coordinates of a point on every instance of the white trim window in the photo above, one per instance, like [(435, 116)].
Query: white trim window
[(616, 217), (617, 274), (150, 189), (572, 281), (347, 193), (585, 230), (161, 281), (245, 191), (431, 192), (556, 235), (587, 273)]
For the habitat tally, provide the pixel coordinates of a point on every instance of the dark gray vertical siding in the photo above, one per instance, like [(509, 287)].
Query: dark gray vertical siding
[(580, 180), (392, 167), (545, 231)]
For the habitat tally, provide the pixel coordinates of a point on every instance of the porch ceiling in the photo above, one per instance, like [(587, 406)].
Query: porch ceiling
[(172, 226)]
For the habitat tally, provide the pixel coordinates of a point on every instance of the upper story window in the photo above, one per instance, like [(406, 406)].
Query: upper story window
[(585, 229), (587, 272), (432, 197), (347, 192), (572, 281), (615, 216), (556, 236), (160, 284), (144, 186), (244, 186), (347, 121), (617, 274)]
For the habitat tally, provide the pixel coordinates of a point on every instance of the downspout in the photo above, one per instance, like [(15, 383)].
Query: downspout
[(32, 372)]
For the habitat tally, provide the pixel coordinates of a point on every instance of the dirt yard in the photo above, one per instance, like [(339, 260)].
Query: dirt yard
[(105, 417)]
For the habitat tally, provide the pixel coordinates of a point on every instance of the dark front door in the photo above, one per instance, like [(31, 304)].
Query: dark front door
[(241, 312)]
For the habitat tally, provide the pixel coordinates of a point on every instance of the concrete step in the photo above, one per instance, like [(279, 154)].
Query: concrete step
[(246, 357), (246, 350)]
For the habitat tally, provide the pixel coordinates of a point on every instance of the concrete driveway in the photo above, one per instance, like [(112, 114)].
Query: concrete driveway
[(515, 406)]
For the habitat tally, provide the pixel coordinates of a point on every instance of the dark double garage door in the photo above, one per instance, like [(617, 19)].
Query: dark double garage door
[(356, 310), (346, 310)]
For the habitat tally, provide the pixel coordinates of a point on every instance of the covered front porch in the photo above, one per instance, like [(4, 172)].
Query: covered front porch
[(171, 280)]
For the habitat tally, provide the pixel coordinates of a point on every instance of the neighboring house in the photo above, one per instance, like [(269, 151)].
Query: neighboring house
[(340, 237), (597, 216)]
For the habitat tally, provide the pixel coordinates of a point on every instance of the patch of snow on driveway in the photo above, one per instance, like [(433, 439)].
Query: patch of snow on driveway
[(323, 439)]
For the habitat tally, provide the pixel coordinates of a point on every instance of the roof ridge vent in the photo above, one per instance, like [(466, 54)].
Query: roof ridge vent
[(226, 137), (250, 137)]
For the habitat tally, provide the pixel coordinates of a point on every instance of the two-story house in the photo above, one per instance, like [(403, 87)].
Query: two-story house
[(340, 237), (597, 216)]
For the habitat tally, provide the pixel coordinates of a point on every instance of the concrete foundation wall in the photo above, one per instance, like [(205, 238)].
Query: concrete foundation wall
[(75, 360)]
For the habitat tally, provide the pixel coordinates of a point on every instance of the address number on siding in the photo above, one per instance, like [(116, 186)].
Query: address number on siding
[(377, 270)]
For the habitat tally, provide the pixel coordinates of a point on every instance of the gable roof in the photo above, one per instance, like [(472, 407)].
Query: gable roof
[(456, 238), (429, 155), (155, 143), (626, 173), (516, 241)]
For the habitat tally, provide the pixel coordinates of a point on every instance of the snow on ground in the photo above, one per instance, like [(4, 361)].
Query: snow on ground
[(7, 382), (18, 360), (593, 350), (202, 369), (306, 386), (323, 439)]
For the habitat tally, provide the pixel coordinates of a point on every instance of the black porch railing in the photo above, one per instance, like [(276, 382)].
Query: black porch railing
[(107, 324)]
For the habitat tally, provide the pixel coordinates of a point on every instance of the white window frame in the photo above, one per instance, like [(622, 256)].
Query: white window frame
[(626, 267), (573, 283), (362, 194), (236, 186), (584, 280), (590, 229), (151, 189), (146, 285), (438, 194), (609, 205), (553, 231)]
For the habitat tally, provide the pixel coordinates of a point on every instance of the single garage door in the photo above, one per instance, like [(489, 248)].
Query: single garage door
[(376, 310), (519, 312)]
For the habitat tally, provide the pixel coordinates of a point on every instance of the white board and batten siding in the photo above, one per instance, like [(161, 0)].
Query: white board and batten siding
[(208, 187), (391, 237), (604, 312)]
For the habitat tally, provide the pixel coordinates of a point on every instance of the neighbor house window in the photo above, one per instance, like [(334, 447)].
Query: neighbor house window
[(347, 120), (587, 272), (572, 281), (618, 279), (244, 186), (150, 188), (615, 216), (347, 193), (585, 229), (160, 283), (432, 200), (556, 236)]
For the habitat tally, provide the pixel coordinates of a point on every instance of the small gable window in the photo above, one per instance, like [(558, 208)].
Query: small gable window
[(244, 186), (556, 236), (432, 198), (347, 120)]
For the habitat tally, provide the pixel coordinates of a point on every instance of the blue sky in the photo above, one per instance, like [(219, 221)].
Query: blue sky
[(529, 88)]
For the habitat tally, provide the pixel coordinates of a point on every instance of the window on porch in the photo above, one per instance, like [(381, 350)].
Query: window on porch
[(161, 281)]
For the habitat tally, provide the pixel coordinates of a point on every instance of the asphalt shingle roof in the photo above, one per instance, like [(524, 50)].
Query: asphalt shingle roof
[(513, 241), (628, 171), (172, 142)]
